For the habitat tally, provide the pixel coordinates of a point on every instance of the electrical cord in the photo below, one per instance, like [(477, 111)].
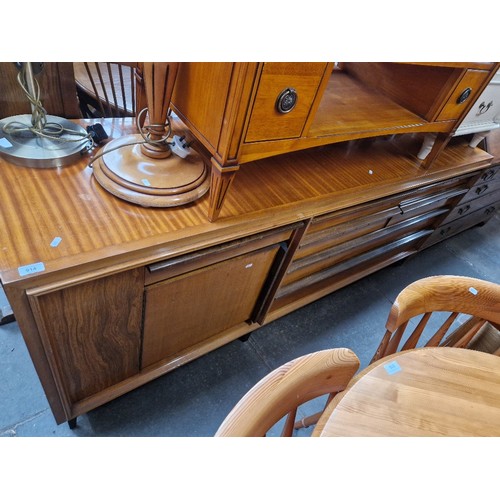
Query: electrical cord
[(39, 125), (145, 134)]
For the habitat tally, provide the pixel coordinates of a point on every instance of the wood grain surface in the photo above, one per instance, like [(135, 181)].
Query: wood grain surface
[(39, 205), (441, 391)]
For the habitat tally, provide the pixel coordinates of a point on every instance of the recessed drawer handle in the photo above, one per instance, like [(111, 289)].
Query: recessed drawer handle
[(490, 210), (287, 100), (444, 231), (481, 189), (488, 175), (462, 210)]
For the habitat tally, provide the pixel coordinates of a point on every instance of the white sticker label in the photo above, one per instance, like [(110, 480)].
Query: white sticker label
[(473, 290), (146, 182), (31, 269)]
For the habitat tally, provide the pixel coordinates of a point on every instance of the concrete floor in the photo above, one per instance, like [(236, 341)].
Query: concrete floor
[(194, 399)]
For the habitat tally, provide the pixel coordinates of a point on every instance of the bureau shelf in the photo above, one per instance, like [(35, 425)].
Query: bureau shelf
[(349, 106)]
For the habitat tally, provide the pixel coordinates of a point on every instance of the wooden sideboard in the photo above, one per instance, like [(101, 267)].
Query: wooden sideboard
[(110, 295)]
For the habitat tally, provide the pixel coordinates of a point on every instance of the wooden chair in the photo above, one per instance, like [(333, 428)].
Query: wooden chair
[(454, 295), (282, 391), (444, 298), (108, 89)]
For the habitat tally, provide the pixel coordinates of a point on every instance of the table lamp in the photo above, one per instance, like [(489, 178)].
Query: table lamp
[(40, 140), (151, 169)]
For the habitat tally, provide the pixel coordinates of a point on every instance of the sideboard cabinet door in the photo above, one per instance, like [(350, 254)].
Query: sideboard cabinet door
[(185, 310), (91, 333)]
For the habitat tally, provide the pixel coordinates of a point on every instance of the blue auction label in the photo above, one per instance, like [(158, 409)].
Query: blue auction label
[(392, 368), (37, 267)]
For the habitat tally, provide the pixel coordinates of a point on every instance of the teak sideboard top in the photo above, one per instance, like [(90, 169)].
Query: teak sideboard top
[(98, 230)]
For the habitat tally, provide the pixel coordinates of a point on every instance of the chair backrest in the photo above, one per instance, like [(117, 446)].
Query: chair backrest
[(433, 296), (109, 89), (284, 389)]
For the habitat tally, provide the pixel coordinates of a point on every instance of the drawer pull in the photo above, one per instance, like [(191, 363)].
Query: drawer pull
[(490, 210), (463, 210), (287, 100), (464, 95), (443, 232), (488, 175), (483, 108), (481, 189)]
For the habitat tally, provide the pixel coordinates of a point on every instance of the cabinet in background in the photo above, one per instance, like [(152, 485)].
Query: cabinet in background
[(241, 112)]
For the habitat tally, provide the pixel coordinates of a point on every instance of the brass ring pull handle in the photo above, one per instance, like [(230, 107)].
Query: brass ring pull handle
[(286, 100), (464, 95)]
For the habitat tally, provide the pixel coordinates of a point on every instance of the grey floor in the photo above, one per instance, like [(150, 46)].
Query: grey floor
[(194, 399)]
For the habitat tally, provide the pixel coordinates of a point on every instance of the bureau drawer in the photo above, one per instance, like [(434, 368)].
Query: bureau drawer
[(473, 80), (266, 121)]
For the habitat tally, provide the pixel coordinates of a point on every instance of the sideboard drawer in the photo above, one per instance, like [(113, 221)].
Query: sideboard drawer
[(350, 270), (357, 246), (327, 232), (266, 121)]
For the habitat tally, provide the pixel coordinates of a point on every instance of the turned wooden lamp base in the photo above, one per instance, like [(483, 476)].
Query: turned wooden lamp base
[(129, 174)]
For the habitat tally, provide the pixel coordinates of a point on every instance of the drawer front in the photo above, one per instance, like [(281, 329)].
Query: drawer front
[(266, 121), (490, 175), (473, 79), (485, 114), (348, 250), (447, 230), (468, 207), (331, 234), (170, 268), (428, 204), (480, 190), (350, 270)]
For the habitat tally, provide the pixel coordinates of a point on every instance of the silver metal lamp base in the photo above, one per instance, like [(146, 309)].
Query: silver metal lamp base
[(29, 150)]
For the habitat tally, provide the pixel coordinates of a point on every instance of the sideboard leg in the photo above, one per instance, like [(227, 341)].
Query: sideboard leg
[(220, 181), (72, 423)]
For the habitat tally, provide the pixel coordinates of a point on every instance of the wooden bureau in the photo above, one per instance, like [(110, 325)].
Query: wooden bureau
[(110, 295)]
